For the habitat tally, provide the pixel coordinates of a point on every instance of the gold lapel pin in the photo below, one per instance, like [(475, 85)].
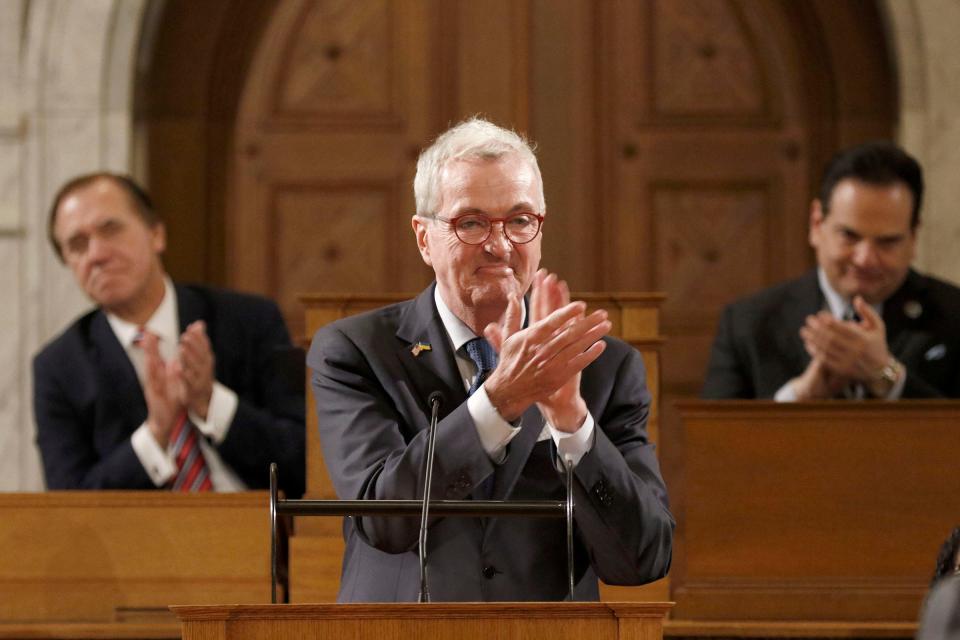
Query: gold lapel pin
[(420, 346), (913, 309)]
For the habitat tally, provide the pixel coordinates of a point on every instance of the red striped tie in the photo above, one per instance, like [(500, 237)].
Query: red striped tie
[(192, 471)]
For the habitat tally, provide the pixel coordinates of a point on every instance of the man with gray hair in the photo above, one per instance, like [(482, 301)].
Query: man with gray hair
[(529, 381)]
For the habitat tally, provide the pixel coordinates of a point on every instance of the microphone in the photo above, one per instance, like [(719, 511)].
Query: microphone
[(434, 400)]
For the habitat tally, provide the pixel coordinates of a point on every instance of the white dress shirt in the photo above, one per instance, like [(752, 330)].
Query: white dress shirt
[(495, 432), (156, 460)]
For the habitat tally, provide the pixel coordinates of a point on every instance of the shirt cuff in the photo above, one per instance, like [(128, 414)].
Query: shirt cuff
[(495, 432), (785, 393), (573, 446), (158, 464), (220, 412)]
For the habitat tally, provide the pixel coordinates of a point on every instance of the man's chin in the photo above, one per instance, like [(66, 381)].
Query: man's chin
[(108, 297), (497, 292)]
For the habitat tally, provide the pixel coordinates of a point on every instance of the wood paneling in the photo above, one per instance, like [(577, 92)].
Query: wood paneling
[(723, 103), (110, 557), (553, 620), (826, 511), (705, 66)]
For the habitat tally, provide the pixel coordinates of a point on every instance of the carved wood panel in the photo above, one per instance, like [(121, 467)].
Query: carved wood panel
[(343, 236), (704, 62), (340, 98), (711, 243), (338, 62)]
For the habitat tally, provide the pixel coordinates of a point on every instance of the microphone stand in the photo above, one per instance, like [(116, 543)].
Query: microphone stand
[(568, 510), (282, 507), (435, 398)]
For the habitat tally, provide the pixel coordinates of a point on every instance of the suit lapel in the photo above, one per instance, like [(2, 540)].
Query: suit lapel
[(426, 354), (192, 306), (903, 317), (806, 299), (123, 396)]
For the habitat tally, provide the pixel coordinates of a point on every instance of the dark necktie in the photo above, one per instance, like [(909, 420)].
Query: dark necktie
[(485, 358), (854, 390)]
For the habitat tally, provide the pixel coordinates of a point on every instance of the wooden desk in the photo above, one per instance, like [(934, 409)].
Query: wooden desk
[(526, 621), (99, 560), (829, 511)]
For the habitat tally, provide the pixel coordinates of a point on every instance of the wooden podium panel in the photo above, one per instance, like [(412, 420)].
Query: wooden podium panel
[(317, 549), (504, 621), (123, 557), (820, 511)]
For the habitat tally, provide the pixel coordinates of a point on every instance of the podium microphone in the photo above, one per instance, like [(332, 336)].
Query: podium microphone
[(435, 399)]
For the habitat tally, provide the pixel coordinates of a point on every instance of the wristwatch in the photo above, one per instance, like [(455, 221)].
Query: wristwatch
[(884, 379)]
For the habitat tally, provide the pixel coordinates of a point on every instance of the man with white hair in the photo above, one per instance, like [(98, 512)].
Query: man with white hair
[(528, 381)]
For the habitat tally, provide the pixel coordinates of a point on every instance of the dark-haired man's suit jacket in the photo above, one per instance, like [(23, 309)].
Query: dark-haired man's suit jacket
[(758, 346), (88, 400), (371, 388)]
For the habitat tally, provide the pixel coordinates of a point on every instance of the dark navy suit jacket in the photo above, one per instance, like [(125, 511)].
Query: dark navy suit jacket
[(88, 400), (758, 346), (372, 389)]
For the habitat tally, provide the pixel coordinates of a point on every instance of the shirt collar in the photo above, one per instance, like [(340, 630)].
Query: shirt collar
[(458, 332), (163, 323), (837, 304)]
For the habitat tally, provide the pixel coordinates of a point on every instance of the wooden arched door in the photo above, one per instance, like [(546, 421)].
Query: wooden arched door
[(680, 143)]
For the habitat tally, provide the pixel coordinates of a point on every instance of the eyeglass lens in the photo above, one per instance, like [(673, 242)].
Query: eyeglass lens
[(475, 229)]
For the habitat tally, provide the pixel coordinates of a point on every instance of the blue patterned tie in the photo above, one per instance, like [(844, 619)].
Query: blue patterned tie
[(484, 357)]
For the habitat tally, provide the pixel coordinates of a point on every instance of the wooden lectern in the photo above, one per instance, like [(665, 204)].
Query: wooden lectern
[(512, 620)]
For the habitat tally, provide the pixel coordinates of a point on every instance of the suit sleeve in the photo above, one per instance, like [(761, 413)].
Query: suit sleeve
[(622, 511), (915, 387), (726, 375), (268, 425), (371, 452), (65, 436)]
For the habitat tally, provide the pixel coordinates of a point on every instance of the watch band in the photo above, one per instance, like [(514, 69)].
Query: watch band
[(885, 379)]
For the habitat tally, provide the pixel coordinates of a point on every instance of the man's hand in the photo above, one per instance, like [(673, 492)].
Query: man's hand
[(196, 362), (817, 382), (163, 390), (853, 350), (542, 363)]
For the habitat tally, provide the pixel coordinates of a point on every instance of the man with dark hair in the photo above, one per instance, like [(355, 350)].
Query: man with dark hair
[(863, 324), (162, 385)]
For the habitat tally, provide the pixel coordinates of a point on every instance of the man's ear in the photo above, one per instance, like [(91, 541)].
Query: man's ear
[(423, 239), (159, 241), (816, 220)]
